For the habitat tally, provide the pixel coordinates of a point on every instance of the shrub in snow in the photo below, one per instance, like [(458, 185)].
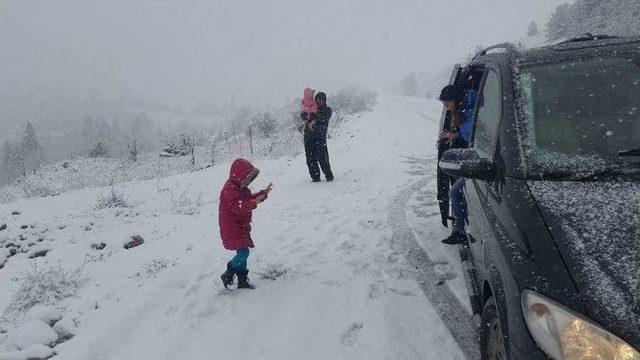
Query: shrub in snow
[(273, 271), (37, 187), (178, 145), (113, 199), (153, 268), (40, 286), (99, 150), (352, 100), (185, 203)]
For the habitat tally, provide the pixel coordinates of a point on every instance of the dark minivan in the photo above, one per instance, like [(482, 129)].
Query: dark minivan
[(553, 192)]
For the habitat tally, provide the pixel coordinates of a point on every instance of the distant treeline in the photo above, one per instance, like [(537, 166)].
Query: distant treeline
[(611, 17), (125, 135)]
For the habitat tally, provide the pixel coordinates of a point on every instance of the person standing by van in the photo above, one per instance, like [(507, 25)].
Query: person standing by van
[(460, 108)]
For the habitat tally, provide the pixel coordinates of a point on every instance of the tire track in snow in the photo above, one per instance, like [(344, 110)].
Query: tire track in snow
[(453, 314)]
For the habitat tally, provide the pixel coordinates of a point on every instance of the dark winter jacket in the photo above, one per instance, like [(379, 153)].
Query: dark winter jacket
[(236, 204), (321, 123)]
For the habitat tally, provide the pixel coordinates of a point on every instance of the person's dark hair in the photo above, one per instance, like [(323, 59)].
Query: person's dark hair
[(450, 93), (322, 96)]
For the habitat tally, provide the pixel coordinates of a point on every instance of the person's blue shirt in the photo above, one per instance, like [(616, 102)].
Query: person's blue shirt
[(464, 130)]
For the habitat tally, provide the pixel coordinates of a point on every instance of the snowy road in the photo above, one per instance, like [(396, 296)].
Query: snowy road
[(362, 259)]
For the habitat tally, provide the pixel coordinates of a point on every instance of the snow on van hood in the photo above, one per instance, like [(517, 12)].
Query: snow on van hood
[(596, 226)]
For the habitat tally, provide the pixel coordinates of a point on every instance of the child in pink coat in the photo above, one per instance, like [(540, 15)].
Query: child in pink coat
[(309, 108)]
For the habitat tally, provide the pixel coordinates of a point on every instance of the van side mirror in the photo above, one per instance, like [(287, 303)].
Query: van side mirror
[(467, 163)]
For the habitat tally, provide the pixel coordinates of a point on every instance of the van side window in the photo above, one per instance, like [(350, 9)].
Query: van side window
[(489, 114)]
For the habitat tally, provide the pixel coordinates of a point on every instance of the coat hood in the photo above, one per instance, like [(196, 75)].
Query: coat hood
[(308, 102), (242, 172), (307, 93), (596, 226)]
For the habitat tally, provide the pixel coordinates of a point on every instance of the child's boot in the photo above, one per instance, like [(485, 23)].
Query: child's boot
[(243, 280), (227, 277)]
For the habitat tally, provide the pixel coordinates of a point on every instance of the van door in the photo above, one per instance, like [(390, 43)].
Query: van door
[(484, 141), (442, 178)]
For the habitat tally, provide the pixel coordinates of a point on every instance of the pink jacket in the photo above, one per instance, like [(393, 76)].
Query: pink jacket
[(309, 105), (236, 204)]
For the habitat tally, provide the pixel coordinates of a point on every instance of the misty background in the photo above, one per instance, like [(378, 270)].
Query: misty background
[(121, 78)]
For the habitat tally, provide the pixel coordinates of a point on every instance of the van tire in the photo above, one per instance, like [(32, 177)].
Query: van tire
[(492, 340)]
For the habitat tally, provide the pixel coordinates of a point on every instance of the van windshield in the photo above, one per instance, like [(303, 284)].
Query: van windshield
[(582, 117)]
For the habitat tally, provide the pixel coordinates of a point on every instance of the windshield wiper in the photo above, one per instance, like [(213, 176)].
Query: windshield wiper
[(630, 152), (610, 172)]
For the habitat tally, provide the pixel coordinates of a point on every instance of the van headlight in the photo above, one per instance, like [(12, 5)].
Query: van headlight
[(564, 335)]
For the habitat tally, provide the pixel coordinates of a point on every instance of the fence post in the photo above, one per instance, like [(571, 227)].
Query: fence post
[(250, 140)]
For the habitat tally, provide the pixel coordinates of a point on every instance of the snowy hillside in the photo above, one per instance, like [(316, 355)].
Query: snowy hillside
[(352, 269)]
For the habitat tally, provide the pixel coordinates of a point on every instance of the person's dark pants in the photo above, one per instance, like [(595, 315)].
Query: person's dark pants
[(317, 154), (458, 205)]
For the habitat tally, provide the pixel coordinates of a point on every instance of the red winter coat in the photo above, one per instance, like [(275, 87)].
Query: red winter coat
[(236, 205)]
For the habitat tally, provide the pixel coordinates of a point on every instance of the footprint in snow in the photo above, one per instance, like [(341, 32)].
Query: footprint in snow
[(352, 334)]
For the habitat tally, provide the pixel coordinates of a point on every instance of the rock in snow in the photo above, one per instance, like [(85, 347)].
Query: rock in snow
[(48, 314), (34, 332), (135, 241), (65, 329), (32, 352)]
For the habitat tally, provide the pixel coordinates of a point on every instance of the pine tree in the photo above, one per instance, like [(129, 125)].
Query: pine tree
[(30, 139), (532, 29), (30, 151)]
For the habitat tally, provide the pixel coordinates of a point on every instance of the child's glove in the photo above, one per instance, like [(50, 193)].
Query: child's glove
[(311, 124), (263, 194)]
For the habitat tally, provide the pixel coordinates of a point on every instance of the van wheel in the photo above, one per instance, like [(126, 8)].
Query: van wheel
[(492, 342)]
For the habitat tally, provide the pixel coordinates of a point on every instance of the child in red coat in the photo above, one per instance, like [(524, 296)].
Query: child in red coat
[(234, 216)]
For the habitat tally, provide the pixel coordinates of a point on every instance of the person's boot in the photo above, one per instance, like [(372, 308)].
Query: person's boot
[(227, 277), (455, 238), (243, 280)]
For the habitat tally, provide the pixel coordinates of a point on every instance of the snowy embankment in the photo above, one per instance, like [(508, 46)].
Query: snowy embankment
[(331, 263)]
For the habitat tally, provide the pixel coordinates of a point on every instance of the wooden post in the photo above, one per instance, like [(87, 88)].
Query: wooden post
[(250, 140)]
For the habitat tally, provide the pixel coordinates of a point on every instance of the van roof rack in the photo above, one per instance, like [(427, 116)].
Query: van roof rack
[(508, 47), (587, 37)]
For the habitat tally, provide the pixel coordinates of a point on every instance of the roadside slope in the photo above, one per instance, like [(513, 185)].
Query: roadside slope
[(348, 291)]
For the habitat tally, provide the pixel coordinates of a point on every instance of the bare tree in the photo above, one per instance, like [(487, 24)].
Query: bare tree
[(264, 123), (134, 148)]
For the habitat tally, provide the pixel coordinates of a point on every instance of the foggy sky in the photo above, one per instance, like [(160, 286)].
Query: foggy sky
[(249, 51)]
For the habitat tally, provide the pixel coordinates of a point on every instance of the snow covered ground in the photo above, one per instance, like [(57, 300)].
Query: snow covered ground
[(344, 270)]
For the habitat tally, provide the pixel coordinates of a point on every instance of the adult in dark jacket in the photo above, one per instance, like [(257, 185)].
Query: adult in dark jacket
[(315, 140)]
